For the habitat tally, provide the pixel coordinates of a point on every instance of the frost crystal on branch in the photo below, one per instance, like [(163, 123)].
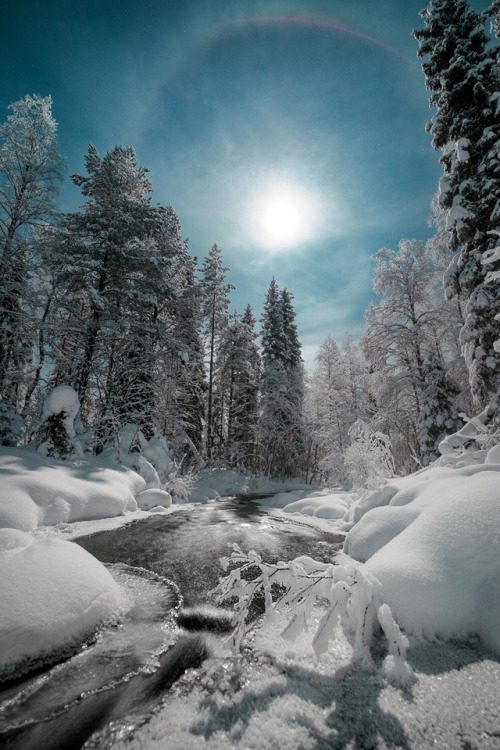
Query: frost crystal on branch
[(353, 599)]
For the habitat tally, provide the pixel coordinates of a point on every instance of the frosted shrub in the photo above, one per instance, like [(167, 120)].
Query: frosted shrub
[(368, 459), (57, 436), (180, 486), (479, 434), (352, 597), (152, 460)]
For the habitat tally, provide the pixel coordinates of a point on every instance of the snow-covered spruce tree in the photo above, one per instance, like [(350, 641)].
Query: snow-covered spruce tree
[(155, 339), (450, 310), (282, 424), (215, 303), (31, 168), (181, 392), (439, 416), (237, 392), (106, 275), (56, 435), (462, 73), (244, 415)]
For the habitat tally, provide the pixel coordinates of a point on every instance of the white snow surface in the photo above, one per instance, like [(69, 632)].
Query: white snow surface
[(36, 490), (319, 504), (63, 398), (153, 498), (433, 540), (53, 593), (285, 697)]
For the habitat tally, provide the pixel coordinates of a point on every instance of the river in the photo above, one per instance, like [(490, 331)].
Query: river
[(166, 563)]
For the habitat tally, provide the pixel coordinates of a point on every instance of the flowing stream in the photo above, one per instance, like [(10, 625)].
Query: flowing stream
[(161, 564)]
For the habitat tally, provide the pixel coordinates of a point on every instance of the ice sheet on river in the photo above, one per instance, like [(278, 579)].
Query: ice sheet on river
[(102, 666)]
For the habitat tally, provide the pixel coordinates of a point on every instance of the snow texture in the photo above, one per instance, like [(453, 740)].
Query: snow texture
[(152, 499), (286, 698), (36, 490), (320, 505), (433, 540), (62, 399), (53, 594)]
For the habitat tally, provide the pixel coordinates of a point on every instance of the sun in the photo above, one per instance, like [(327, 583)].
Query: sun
[(282, 216), (280, 219)]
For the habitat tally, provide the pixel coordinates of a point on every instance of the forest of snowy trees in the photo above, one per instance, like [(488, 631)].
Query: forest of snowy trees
[(108, 300)]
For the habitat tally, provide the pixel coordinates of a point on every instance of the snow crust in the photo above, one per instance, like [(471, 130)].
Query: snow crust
[(284, 697), (433, 540), (53, 593), (36, 490)]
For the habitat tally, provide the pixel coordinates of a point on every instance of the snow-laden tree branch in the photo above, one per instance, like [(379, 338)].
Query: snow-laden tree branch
[(351, 596)]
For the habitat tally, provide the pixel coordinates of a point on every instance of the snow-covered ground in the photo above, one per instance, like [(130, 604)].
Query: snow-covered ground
[(282, 696), (53, 593), (432, 540)]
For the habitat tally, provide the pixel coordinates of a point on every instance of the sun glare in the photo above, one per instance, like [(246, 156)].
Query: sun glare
[(282, 217)]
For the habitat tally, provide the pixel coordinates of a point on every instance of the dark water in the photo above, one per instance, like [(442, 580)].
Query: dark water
[(161, 563), (186, 546)]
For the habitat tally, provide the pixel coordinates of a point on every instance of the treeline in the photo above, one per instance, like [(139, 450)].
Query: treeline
[(109, 301), (430, 354)]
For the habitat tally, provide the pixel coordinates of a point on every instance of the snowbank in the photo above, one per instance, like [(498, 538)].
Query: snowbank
[(53, 593), (321, 504), (433, 540), (152, 499), (36, 490)]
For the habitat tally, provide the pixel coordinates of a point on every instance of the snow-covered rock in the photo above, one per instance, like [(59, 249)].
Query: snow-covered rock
[(319, 505), (36, 490), (149, 499), (52, 594), (434, 544)]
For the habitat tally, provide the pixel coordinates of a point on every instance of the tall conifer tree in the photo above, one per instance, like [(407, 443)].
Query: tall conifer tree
[(215, 302), (282, 433), (462, 73)]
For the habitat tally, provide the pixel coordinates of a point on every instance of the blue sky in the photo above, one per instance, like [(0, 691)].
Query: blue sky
[(229, 102)]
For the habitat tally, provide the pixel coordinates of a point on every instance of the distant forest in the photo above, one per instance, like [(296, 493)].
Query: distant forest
[(108, 300)]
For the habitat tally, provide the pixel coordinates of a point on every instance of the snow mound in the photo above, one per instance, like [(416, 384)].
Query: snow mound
[(435, 546), (39, 491), (53, 594), (149, 499), (64, 398), (321, 505)]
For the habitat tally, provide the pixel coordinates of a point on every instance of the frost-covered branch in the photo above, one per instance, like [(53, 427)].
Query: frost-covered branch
[(353, 599)]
